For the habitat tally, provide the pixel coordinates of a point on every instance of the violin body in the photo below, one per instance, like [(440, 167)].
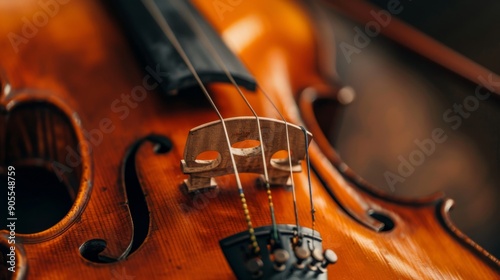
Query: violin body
[(77, 102)]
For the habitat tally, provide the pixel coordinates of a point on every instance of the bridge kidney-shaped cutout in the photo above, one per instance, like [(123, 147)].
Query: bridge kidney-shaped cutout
[(208, 157), (246, 152), (246, 148)]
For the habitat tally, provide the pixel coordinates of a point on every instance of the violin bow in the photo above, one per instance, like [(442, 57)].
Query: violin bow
[(420, 43)]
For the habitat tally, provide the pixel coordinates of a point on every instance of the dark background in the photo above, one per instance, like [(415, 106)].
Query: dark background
[(401, 97)]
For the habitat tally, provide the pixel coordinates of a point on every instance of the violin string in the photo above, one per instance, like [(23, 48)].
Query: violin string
[(228, 74), (165, 27), (292, 181), (308, 164), (196, 25)]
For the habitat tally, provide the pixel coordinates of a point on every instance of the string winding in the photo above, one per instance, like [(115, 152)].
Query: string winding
[(220, 62), (165, 27)]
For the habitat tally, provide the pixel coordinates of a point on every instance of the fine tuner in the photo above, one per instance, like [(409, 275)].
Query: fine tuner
[(285, 251), (281, 259), (253, 198)]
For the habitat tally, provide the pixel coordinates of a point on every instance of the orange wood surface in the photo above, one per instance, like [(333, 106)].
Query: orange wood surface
[(81, 63)]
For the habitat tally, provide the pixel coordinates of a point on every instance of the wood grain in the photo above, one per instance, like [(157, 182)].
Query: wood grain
[(81, 57)]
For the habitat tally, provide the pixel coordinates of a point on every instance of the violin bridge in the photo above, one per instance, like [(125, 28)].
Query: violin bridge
[(246, 148)]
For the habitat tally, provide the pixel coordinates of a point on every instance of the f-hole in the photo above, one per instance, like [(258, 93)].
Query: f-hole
[(137, 201), (383, 218), (4, 265), (39, 142), (138, 207), (42, 200)]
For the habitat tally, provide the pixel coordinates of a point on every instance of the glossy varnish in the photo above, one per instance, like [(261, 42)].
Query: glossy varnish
[(80, 63)]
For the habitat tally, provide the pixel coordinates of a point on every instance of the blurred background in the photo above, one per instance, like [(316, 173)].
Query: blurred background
[(401, 97)]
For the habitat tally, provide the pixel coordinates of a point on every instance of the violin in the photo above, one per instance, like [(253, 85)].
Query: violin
[(153, 139)]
